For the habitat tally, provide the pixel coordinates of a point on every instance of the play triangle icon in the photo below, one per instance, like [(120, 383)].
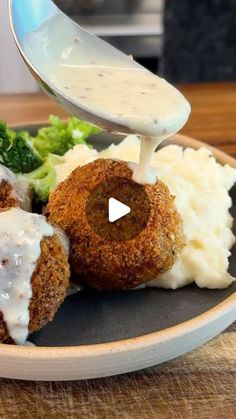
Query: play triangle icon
[(116, 210)]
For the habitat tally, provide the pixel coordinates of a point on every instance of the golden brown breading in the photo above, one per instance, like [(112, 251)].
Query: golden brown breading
[(112, 265), (7, 198), (49, 281)]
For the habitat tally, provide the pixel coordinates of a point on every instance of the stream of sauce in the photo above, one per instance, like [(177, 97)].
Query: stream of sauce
[(20, 236), (135, 98), (107, 83)]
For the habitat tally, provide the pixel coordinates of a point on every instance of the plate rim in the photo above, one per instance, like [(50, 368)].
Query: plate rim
[(228, 305), (124, 345)]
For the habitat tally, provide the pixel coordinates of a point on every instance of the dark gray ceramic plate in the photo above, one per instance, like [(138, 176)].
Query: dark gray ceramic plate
[(100, 334), (98, 317)]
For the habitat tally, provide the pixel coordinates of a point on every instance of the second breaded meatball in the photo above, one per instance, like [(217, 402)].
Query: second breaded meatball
[(108, 264), (49, 280)]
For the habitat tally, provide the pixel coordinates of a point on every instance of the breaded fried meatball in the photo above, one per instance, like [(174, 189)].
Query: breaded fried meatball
[(13, 191), (108, 264), (48, 282)]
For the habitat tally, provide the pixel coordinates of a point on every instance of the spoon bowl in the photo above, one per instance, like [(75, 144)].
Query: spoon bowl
[(27, 18), (90, 78)]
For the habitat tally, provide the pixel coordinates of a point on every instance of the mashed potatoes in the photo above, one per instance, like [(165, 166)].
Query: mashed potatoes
[(80, 155), (201, 188)]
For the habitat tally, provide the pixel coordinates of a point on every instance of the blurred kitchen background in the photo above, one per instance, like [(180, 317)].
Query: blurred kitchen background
[(182, 40)]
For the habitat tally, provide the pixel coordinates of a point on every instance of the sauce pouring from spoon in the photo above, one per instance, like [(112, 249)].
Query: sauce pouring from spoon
[(95, 81)]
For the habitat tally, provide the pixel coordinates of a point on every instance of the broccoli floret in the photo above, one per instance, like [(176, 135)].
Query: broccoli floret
[(62, 136), (36, 157), (44, 179), (17, 151)]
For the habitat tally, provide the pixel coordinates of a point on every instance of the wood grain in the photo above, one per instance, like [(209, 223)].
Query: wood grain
[(201, 384)]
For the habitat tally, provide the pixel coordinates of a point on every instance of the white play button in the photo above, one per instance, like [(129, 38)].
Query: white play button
[(116, 210)]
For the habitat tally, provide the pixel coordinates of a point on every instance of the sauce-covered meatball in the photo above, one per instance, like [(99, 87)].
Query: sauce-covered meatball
[(34, 274)]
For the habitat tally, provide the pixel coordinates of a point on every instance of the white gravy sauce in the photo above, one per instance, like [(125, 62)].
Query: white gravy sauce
[(142, 172), (20, 236), (20, 189), (109, 84)]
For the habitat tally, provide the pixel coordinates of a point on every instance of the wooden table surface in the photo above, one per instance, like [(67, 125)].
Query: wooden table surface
[(201, 384)]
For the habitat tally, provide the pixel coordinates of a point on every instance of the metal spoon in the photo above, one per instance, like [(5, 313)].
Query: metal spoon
[(27, 16)]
